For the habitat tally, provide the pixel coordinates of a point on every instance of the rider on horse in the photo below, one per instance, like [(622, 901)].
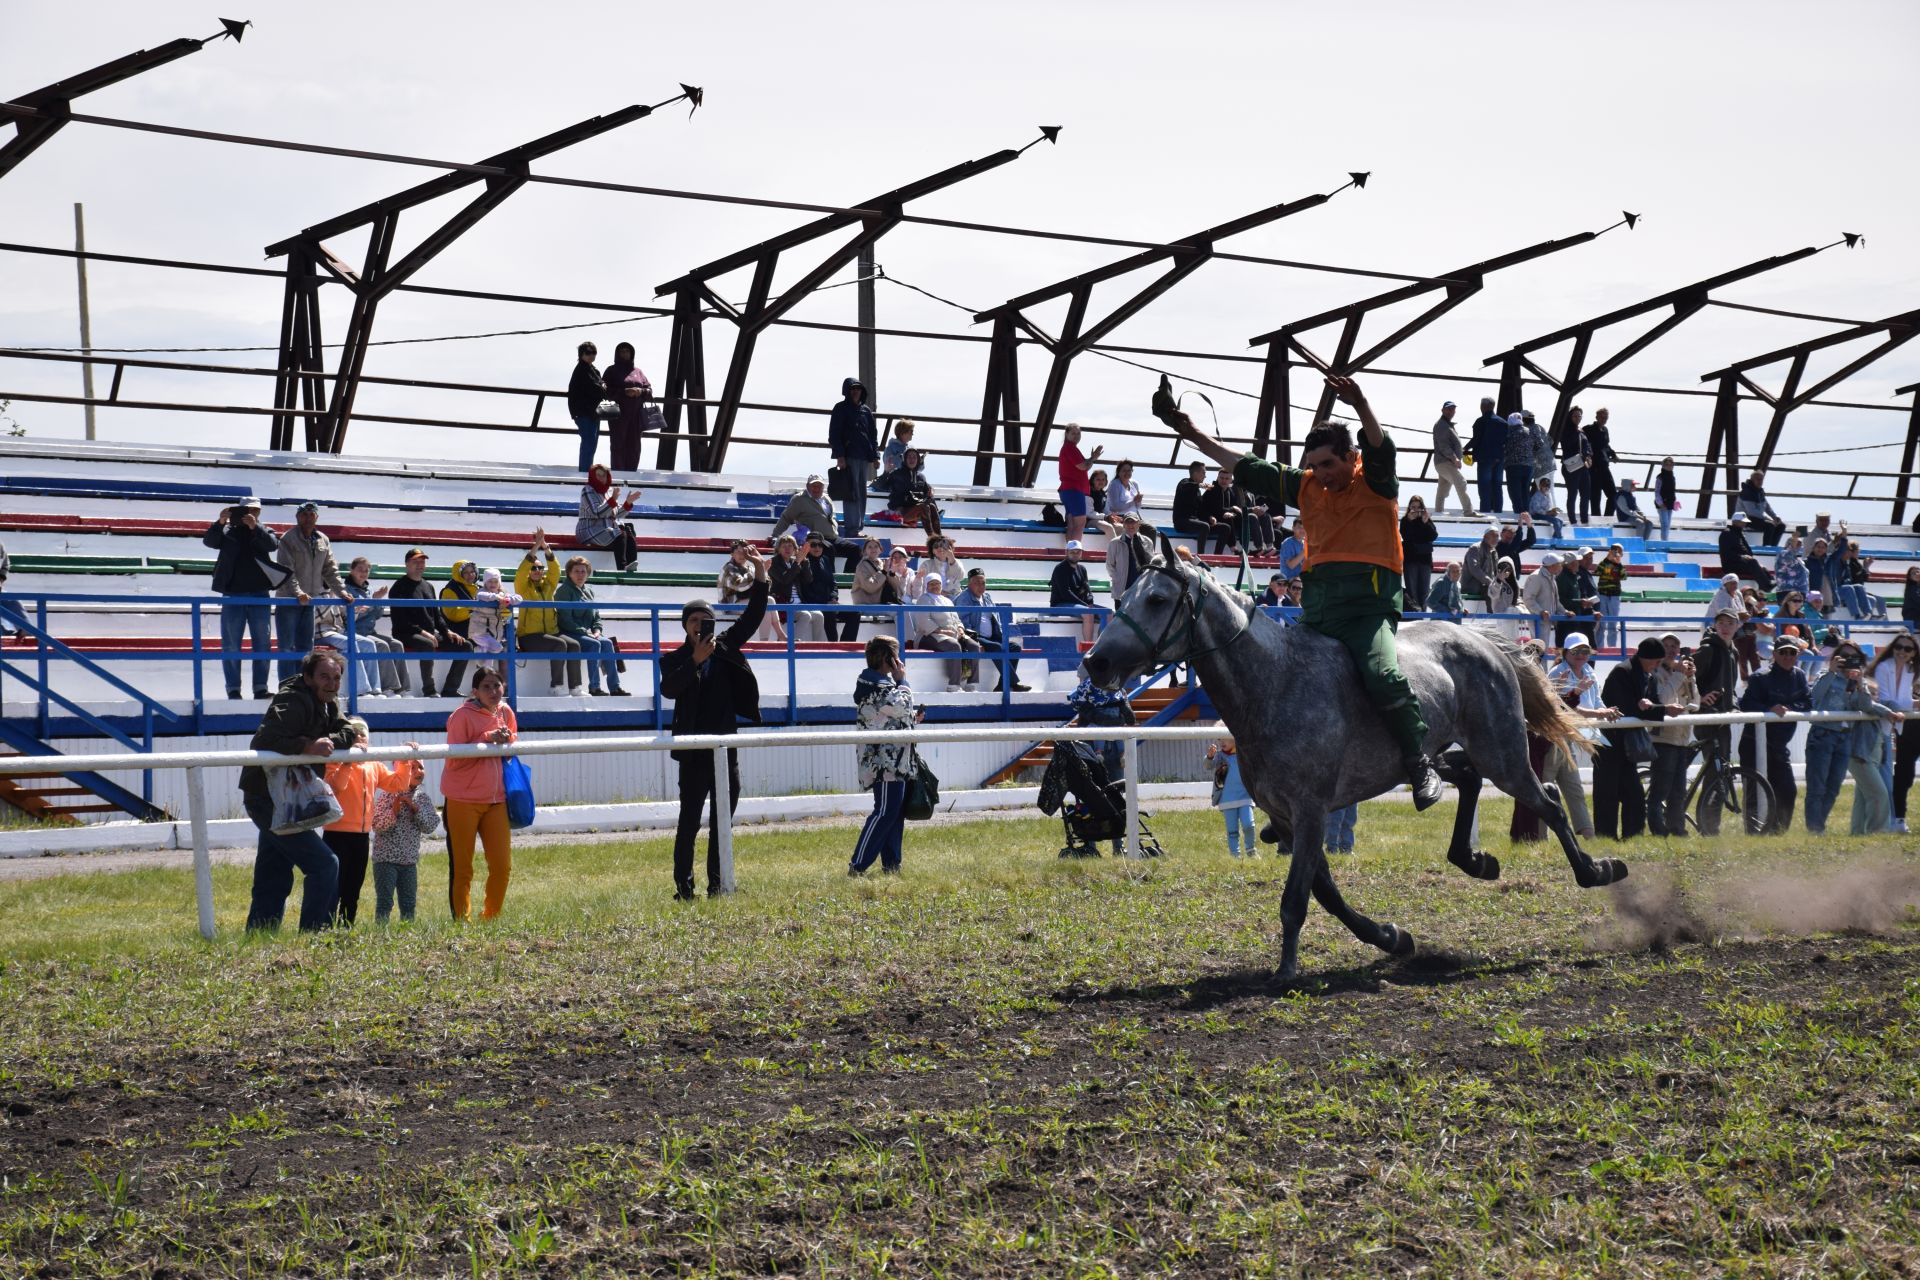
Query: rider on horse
[(1350, 515)]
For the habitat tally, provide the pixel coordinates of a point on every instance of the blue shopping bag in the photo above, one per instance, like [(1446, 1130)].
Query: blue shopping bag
[(519, 783)]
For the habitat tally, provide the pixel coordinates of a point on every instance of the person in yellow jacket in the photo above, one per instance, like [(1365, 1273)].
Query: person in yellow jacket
[(1349, 507), (537, 578), (354, 783), (463, 584)]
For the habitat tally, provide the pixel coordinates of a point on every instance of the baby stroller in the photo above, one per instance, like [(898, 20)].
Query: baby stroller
[(1097, 809)]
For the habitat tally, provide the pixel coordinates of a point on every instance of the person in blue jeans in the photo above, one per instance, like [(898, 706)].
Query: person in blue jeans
[(885, 704), (1340, 828), (246, 570), (302, 720), (1232, 800), (1832, 749), (584, 394)]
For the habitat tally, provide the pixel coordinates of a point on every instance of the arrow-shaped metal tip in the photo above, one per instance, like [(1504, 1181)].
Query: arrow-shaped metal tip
[(1853, 238), (1051, 132), (234, 29), (1360, 179), (693, 94), (1629, 218)]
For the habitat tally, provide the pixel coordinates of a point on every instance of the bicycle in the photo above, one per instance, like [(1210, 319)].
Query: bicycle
[(1722, 787)]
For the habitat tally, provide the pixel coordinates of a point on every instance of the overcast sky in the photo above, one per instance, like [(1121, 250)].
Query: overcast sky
[(1740, 130)]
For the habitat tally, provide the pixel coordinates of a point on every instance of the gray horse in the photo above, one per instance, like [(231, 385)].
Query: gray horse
[(1309, 741)]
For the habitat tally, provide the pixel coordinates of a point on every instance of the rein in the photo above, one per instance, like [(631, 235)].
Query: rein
[(1159, 650)]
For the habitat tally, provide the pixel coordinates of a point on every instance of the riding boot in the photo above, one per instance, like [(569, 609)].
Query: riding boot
[(1425, 781)]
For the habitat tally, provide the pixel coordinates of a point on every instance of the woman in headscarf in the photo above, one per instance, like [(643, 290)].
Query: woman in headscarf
[(601, 513), (628, 387)]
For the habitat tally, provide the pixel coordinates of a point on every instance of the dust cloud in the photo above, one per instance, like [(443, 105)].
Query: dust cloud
[(1657, 907)]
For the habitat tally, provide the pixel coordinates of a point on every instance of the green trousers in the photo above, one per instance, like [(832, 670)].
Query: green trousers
[(1362, 610)]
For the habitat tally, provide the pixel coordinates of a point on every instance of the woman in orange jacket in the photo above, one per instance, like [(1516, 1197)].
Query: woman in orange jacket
[(476, 796), (354, 783)]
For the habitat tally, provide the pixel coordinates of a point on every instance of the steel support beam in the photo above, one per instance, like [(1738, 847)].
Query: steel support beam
[(1076, 335), (693, 290), (55, 101), (1724, 437), (1458, 286), (1902, 485), (381, 274)]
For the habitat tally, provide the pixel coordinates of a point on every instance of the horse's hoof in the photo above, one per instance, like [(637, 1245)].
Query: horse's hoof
[(1269, 834), (1479, 864), (1399, 941), (1602, 872)]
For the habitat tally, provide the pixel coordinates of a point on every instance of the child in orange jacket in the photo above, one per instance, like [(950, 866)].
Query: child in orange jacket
[(354, 783)]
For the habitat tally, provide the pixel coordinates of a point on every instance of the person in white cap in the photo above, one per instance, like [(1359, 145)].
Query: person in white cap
[(1070, 589), (1519, 463), (1574, 679), (1736, 553), (1540, 594), (1727, 597), (1447, 457), (811, 509), (939, 629)]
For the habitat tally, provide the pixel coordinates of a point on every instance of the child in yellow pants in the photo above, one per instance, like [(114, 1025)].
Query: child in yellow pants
[(465, 819)]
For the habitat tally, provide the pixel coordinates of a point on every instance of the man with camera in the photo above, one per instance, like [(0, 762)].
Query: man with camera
[(245, 569), (713, 690)]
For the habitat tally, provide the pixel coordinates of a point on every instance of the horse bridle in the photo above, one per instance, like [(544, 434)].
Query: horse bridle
[(1158, 650)]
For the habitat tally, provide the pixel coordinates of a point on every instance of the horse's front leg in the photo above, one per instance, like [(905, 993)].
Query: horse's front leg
[(1309, 832), (1456, 768)]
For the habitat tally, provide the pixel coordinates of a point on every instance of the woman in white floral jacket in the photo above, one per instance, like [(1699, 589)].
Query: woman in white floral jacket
[(885, 703)]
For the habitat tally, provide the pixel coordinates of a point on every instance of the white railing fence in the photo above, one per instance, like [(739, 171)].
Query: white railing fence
[(1128, 735)]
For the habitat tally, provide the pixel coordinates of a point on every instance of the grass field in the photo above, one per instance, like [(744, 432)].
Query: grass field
[(996, 1064)]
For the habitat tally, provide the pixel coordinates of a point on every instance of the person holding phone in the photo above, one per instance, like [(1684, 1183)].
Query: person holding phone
[(245, 570), (885, 703), (713, 690)]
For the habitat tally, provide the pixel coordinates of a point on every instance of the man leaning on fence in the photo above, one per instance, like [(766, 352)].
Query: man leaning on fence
[(302, 720), (712, 689)]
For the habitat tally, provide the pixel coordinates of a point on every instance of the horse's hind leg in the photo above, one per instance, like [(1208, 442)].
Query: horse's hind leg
[(1457, 769), (1391, 939), (1588, 872), (1309, 829)]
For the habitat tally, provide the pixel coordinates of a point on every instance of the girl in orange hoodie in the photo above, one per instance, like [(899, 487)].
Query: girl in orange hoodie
[(476, 796), (354, 783)]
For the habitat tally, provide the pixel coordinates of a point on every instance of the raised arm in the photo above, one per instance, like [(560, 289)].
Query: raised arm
[(1350, 394)]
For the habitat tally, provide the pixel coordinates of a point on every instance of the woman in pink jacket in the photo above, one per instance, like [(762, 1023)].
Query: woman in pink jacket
[(476, 795)]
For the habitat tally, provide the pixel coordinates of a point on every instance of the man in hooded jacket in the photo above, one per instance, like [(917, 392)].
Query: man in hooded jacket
[(855, 446)]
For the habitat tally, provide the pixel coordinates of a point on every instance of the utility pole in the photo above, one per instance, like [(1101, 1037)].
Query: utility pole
[(866, 321), (86, 320)]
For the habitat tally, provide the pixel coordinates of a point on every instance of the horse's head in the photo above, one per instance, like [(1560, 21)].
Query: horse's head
[(1161, 618)]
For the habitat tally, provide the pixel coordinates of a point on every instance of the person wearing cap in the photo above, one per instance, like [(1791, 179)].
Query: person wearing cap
[(1619, 804), (580, 623), (422, 629), (1488, 445), (1447, 457), (1128, 554), (937, 627), (585, 391), (1069, 588), (1348, 504), (1573, 679), (981, 617), (307, 556), (1601, 460), (1716, 666), (1576, 466), (1579, 595), (1274, 596), (1835, 750), (1610, 577), (1779, 688), (246, 570), (1736, 553), (854, 442), (1672, 747), (1726, 597), (811, 510), (1519, 462), (538, 630), (1626, 506), (712, 689), (1540, 594)]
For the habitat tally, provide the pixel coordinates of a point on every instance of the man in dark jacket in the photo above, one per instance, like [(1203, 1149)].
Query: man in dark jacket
[(1616, 783), (1070, 588), (1716, 669), (1488, 444), (424, 630), (584, 394), (246, 569), (1736, 553), (1781, 688), (302, 720), (1189, 514), (855, 446), (712, 689), (819, 587)]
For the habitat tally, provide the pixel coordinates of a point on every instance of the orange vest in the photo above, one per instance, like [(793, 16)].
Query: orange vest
[(1353, 525)]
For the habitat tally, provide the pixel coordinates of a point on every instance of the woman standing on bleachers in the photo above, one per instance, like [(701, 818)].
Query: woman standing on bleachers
[(628, 387), (1417, 536), (601, 514), (580, 622)]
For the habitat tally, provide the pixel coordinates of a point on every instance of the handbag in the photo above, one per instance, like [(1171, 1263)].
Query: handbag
[(518, 780), (301, 800), (1636, 745), (607, 411), (923, 792), (651, 419), (837, 487)]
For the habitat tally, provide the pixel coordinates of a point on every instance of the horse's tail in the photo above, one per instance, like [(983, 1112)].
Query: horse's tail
[(1546, 714)]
